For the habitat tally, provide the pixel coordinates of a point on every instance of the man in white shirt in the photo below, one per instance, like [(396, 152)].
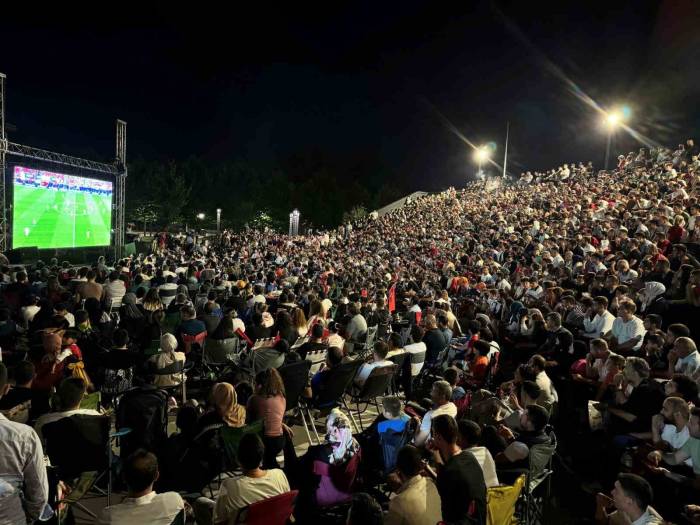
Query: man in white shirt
[(70, 393), (631, 497), (671, 425), (548, 393), (113, 290), (627, 333), (684, 358), (441, 393), (602, 321), (381, 349), (28, 312), (469, 436), (142, 504), (24, 489), (238, 492), (416, 350)]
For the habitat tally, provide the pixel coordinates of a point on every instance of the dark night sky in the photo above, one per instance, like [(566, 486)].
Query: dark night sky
[(357, 77)]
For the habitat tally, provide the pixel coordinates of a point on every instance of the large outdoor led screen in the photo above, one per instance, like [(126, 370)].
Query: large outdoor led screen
[(54, 210)]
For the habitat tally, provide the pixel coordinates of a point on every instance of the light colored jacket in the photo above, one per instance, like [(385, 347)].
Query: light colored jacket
[(417, 503)]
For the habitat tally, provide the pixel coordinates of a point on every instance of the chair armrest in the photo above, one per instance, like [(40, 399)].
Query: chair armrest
[(121, 432)]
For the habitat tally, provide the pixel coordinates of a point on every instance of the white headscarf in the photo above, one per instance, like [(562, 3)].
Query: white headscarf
[(339, 436), (168, 343), (652, 290)]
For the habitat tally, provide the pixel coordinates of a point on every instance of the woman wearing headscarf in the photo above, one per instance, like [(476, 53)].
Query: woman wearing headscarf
[(224, 408), (167, 356), (337, 458), (652, 297), (131, 316)]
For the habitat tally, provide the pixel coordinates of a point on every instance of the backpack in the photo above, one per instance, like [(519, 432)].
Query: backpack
[(145, 412), (391, 441)]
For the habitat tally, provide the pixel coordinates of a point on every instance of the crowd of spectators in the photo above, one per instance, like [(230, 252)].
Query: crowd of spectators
[(558, 311)]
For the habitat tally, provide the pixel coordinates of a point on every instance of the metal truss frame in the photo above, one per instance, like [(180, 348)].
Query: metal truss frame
[(117, 170)]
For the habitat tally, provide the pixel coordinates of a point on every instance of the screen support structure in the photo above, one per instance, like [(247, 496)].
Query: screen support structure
[(117, 169)]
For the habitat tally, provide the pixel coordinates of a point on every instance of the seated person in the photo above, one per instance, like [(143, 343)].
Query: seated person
[(512, 449), (258, 330), (602, 366), (469, 439), (479, 365), (392, 418), (440, 395), (509, 412), (334, 357), (631, 501), (453, 376), (22, 403), (395, 346), (549, 393), (378, 360), (117, 365), (689, 450), (417, 501), (269, 356), (315, 342), (460, 480), (636, 402), (167, 356), (189, 325), (340, 451), (142, 504), (224, 409), (682, 386), (669, 429), (70, 393), (236, 493), (365, 511)]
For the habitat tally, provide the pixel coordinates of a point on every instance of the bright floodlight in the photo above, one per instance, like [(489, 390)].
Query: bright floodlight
[(200, 216), (481, 154), (613, 118)]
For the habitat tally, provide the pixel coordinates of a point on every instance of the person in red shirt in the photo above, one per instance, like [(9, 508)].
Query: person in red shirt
[(677, 231), (479, 365), (68, 342)]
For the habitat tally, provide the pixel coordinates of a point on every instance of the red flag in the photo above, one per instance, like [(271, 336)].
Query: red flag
[(392, 298)]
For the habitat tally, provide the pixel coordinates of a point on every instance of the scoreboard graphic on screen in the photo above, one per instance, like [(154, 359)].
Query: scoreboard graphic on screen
[(55, 210)]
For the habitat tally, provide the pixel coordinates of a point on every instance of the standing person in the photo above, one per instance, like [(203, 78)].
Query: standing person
[(25, 489), (269, 403), (460, 482)]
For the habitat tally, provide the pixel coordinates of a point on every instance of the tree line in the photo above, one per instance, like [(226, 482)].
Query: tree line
[(326, 189)]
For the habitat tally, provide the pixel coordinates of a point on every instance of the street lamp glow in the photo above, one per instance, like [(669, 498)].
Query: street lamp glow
[(481, 154), (200, 216), (613, 119)]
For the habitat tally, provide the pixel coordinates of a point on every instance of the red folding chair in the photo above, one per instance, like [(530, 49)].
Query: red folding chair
[(189, 340), (271, 511)]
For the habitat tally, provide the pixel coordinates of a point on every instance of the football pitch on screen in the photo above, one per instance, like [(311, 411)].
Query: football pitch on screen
[(49, 218)]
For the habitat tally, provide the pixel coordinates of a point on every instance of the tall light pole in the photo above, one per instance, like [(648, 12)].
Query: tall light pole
[(218, 220), (294, 222), (481, 155)]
